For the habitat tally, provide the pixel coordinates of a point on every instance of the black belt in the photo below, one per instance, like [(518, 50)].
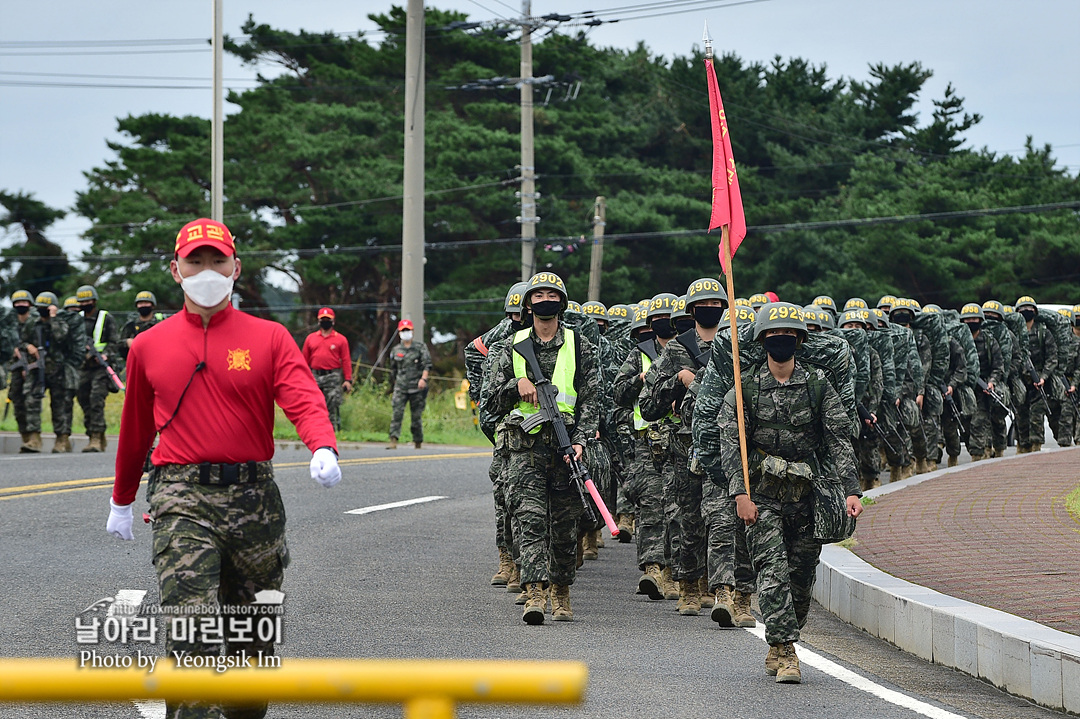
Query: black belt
[(321, 372), (214, 474)]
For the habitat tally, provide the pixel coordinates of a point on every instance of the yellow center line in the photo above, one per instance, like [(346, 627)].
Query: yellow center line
[(76, 485)]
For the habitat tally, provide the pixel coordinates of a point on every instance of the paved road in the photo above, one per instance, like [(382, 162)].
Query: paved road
[(413, 582)]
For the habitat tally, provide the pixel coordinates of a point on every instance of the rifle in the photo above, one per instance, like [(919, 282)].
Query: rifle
[(951, 401), (866, 417), (105, 363), (689, 342), (995, 397), (39, 390), (1033, 375), (546, 392)]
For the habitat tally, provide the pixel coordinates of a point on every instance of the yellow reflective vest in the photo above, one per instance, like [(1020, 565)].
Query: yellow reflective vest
[(562, 377)]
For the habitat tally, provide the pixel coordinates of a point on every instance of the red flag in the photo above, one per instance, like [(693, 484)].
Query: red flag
[(727, 207)]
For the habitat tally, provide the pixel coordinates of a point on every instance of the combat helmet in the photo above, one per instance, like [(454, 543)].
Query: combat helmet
[(664, 303), (546, 281), (617, 312), (706, 288), (812, 315), (779, 315), (515, 296), (45, 299), (972, 310), (86, 293), (640, 320), (573, 306), (882, 318), (856, 303), (886, 302), (827, 303), (595, 309), (993, 306), (742, 302), (1026, 301), (742, 315), (144, 296), (932, 308), (22, 296), (71, 303), (759, 300), (861, 316)]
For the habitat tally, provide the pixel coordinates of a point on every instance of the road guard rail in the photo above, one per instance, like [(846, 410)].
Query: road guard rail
[(427, 689)]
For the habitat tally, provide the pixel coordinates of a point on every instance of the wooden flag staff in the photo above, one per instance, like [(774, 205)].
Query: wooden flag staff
[(725, 244)]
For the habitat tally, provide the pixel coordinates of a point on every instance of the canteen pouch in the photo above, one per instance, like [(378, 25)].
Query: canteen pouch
[(831, 520)]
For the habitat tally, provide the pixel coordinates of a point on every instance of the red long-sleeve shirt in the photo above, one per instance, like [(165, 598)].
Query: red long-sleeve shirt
[(329, 352), (227, 414)]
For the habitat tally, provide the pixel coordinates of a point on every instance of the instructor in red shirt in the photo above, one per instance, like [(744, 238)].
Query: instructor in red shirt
[(205, 382), (327, 354)]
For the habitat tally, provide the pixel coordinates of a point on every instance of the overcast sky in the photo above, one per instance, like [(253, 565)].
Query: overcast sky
[(1016, 63)]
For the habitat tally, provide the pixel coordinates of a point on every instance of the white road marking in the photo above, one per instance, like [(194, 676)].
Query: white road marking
[(393, 505), (849, 677), (126, 602), (151, 708)]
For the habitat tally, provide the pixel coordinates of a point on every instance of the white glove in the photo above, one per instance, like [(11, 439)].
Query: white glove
[(324, 467), (119, 523)]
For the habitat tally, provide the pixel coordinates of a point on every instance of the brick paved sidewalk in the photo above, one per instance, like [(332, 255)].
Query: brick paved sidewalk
[(997, 534)]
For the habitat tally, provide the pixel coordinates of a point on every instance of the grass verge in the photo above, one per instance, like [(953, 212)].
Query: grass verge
[(1072, 503)]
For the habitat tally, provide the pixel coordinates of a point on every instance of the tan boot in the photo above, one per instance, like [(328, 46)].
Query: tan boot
[(689, 599), (876, 483), (599, 538), (513, 584), (723, 611), (560, 603), (787, 665), (393, 443), (1036, 447), (999, 452), (742, 617), (535, 603), (32, 445), (96, 443), (588, 546), (506, 568), (884, 457), (651, 583), (772, 660), (1022, 449), (626, 528), (953, 461), (418, 445), (62, 444), (671, 587), (25, 437), (707, 599), (894, 473), (931, 466), (907, 471), (920, 466)]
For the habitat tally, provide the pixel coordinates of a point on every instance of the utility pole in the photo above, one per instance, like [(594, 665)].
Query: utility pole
[(217, 132), (412, 219), (596, 262), (528, 216)]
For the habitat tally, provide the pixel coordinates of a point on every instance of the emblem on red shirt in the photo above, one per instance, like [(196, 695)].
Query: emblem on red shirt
[(240, 359)]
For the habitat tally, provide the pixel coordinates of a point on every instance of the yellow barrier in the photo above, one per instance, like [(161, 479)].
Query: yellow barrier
[(429, 689)]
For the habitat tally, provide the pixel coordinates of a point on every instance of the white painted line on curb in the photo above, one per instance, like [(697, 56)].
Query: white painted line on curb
[(393, 505), (151, 708), (849, 677)]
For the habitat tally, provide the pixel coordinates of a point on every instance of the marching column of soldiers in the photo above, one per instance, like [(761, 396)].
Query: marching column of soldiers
[(831, 397)]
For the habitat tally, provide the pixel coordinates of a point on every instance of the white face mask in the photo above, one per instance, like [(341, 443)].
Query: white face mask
[(405, 335), (207, 288)]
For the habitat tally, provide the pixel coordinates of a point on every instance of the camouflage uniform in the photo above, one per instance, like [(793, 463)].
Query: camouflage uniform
[(133, 328), (951, 429), (801, 421), (9, 340), (63, 339), (1011, 359), (1069, 417), (408, 364), (543, 502), (1031, 413), (216, 545), (94, 381), (331, 383), (992, 370)]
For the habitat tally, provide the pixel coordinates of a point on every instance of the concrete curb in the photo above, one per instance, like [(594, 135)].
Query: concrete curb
[(1018, 655)]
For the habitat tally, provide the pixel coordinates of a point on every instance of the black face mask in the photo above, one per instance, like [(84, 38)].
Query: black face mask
[(547, 309), (902, 318), (22, 309), (974, 326), (708, 317), (1029, 314), (145, 311), (603, 328), (87, 309), (684, 325), (781, 347), (662, 328), (645, 335), (326, 324), (43, 311)]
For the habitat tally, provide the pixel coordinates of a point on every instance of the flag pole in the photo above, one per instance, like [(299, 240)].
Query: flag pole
[(725, 244)]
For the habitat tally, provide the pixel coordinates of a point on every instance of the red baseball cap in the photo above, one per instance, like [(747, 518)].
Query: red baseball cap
[(204, 232), (773, 297), (325, 312), (404, 325)]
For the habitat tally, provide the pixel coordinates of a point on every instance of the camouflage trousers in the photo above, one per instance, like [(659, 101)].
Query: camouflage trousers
[(644, 489), (785, 555), (59, 398), (952, 432), (1030, 420), (999, 429), (728, 556), (416, 401), (683, 509), (868, 457), (931, 434), (94, 383), (545, 518), (598, 462), (980, 430), (216, 545), (911, 420), (504, 534), (898, 451), (16, 386), (621, 475), (330, 382), (1062, 421)]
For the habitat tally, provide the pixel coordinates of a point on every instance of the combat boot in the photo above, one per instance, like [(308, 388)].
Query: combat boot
[(931, 466), (723, 611), (742, 616), (953, 461), (703, 592), (506, 568), (876, 483), (96, 443), (25, 436), (1036, 447), (689, 599), (560, 603), (599, 538), (418, 445), (651, 582), (535, 603), (772, 660), (32, 445), (393, 443), (513, 584), (671, 587), (920, 466), (999, 452), (894, 473), (884, 457), (1022, 449), (626, 528), (787, 665), (588, 546), (908, 471), (62, 444)]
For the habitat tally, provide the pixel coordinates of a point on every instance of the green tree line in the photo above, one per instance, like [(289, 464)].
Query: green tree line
[(313, 177)]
